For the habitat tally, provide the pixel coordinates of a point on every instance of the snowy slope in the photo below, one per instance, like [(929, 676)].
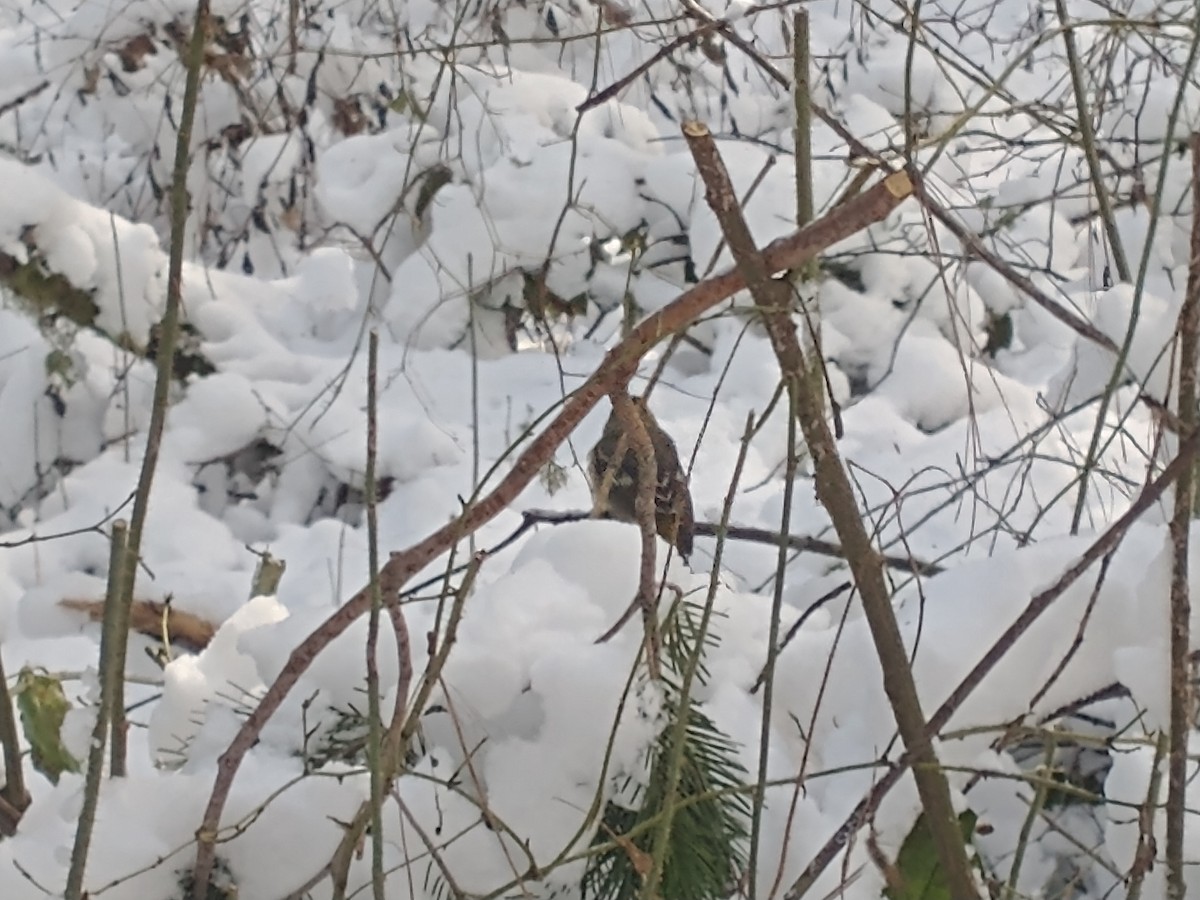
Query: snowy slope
[(307, 230)]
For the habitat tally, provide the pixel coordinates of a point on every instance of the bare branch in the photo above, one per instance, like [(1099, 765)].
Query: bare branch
[(620, 362)]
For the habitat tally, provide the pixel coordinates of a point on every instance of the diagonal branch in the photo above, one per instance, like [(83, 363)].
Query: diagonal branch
[(972, 244), (836, 494), (849, 218), (1105, 544)]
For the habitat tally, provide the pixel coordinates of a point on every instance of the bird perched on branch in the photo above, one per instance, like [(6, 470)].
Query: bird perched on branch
[(615, 494)]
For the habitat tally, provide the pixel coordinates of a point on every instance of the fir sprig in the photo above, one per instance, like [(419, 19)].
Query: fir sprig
[(706, 852)]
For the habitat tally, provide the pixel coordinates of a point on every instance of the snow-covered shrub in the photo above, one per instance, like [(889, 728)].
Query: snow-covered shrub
[(425, 169)]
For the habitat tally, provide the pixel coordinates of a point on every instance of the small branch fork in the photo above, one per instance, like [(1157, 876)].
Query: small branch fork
[(1103, 546), (836, 494), (621, 362)]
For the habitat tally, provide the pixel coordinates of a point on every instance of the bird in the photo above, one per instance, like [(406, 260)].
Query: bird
[(673, 516)]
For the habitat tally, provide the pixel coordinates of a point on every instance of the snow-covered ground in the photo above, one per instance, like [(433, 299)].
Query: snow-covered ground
[(426, 219)]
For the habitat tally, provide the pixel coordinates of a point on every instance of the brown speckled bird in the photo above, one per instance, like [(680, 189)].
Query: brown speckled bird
[(673, 517)]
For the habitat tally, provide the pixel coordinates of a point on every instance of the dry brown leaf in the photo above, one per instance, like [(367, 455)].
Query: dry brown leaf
[(134, 52)]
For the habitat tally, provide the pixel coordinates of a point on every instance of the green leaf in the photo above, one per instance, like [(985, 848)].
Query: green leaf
[(918, 865), (43, 706)]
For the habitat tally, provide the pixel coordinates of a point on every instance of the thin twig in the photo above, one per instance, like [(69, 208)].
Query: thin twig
[(1080, 631), (1119, 374), (817, 604), (783, 554), (620, 362), (1038, 605), (406, 717), (970, 241), (432, 849), (1087, 140), (1145, 853), (374, 724), (836, 494), (531, 518), (1036, 805), (603, 96), (806, 544), (94, 528), (23, 98), (972, 244)]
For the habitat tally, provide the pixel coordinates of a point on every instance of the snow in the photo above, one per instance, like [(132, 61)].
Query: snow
[(304, 236)]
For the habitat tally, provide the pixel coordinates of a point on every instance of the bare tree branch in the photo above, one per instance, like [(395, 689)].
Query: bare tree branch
[(870, 206)]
